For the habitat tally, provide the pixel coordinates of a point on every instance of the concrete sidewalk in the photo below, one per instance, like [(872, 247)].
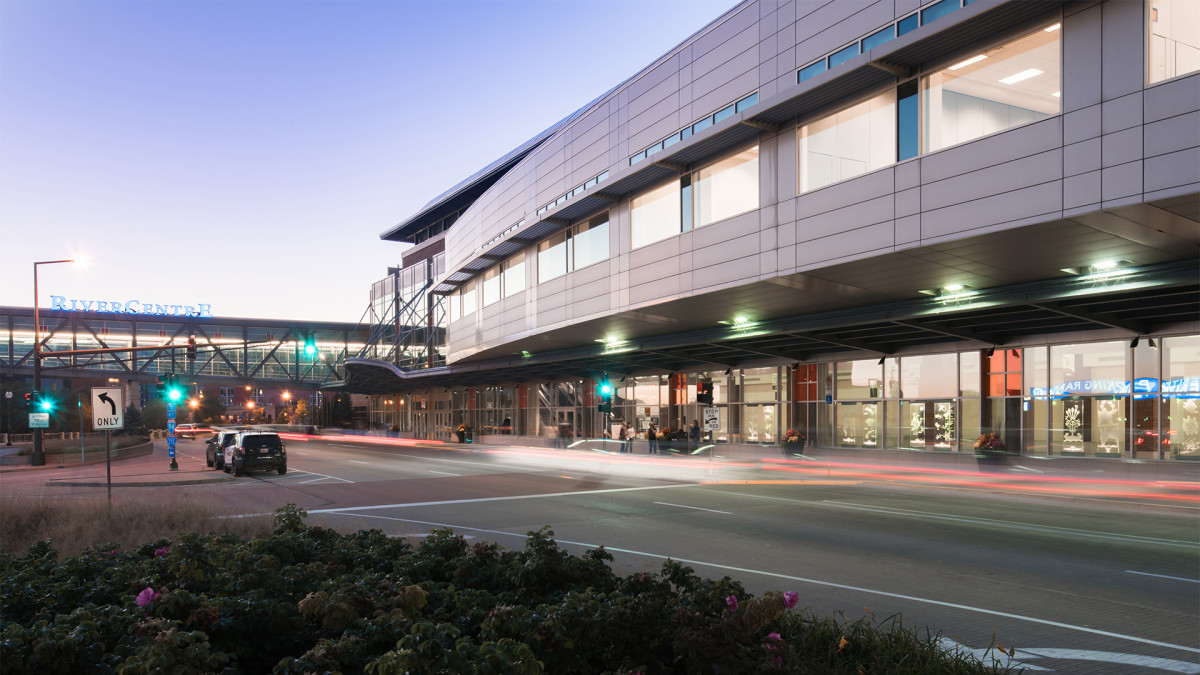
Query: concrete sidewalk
[(147, 469)]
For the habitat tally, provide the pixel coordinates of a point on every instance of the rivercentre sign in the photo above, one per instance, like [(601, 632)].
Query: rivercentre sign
[(143, 308)]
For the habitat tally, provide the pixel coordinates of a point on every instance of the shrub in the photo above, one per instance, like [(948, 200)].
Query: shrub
[(307, 599)]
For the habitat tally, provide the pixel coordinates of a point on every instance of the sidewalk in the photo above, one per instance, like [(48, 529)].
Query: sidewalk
[(147, 469)]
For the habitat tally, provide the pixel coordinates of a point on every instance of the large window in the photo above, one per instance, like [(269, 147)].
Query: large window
[(590, 242), (720, 190), (514, 274), (993, 90), (582, 245), (655, 215), (552, 257), (727, 188), (850, 142), (1174, 38), (491, 286)]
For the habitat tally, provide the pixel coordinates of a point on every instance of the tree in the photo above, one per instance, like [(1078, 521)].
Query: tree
[(155, 414), (343, 412), (301, 413), (210, 409), (135, 424), (16, 421)]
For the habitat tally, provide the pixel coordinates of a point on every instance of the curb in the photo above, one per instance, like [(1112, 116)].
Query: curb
[(163, 483)]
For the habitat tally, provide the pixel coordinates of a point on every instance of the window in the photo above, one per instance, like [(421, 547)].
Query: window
[(1174, 40), (853, 141), (810, 71), (655, 215), (514, 274), (491, 286), (935, 12), (1004, 87), (590, 242), (468, 298), (723, 189), (727, 188), (552, 257), (882, 37), (455, 303), (843, 55)]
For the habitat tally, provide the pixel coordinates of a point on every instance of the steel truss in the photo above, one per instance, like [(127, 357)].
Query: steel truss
[(410, 333), (82, 345)]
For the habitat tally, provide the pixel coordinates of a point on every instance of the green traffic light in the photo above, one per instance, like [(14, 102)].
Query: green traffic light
[(310, 349), (47, 404), (174, 395), (606, 388)]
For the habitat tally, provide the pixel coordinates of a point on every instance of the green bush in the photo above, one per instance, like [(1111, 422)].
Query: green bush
[(307, 599)]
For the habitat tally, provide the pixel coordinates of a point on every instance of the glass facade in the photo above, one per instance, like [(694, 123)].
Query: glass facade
[(1097, 400)]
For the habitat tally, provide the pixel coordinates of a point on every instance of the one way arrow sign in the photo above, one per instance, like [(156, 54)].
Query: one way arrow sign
[(108, 408)]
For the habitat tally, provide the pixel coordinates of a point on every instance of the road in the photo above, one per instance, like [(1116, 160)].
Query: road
[(1078, 575)]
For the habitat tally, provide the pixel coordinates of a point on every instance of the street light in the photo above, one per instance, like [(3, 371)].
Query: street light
[(38, 457)]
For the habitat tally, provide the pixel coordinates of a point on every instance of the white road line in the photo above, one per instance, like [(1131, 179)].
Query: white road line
[(444, 473), (358, 461), (788, 577), (1163, 576), (694, 507), (352, 509), (314, 473)]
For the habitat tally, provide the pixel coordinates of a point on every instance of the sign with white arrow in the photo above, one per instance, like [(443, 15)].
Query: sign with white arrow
[(108, 408)]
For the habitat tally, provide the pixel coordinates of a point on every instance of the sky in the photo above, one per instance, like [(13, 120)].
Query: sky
[(247, 154)]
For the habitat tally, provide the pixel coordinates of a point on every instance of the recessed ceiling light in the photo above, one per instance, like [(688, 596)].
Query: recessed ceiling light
[(974, 59), (1021, 76), (1057, 94), (1051, 29), (954, 287)]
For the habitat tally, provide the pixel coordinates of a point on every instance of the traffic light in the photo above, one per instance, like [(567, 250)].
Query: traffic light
[(704, 392), (28, 401), (173, 389), (169, 389), (310, 345), (43, 402), (604, 391), (191, 347)]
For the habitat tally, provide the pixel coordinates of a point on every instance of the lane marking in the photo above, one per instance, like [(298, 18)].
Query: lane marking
[(357, 461), (480, 500), (728, 513), (314, 473), (1164, 576), (444, 473), (1107, 657), (788, 577)]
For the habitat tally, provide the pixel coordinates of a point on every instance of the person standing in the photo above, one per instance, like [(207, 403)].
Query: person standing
[(652, 438), (622, 436), (694, 436)]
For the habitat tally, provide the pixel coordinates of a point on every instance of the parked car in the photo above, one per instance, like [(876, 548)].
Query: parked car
[(256, 450), (214, 453)]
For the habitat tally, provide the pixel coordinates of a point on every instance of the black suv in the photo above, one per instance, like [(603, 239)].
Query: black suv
[(258, 450), (214, 453)]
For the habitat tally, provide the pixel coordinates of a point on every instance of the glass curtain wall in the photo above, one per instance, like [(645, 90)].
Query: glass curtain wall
[(1174, 44)]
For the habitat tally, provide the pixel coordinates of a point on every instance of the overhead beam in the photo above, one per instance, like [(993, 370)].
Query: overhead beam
[(1100, 318)]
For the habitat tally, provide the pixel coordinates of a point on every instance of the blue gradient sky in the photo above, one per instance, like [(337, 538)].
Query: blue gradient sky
[(247, 154)]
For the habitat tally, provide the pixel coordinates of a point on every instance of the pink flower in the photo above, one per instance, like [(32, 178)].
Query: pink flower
[(161, 551), (790, 599), (773, 636), (147, 597), (732, 602)]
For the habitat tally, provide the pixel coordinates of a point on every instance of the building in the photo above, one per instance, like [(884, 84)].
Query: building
[(884, 224)]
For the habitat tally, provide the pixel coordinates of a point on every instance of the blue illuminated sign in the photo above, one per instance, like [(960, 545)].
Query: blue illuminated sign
[(1142, 387), (141, 308)]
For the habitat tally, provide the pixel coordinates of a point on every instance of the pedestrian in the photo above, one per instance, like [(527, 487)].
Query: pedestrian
[(694, 436), (621, 436), (652, 438)]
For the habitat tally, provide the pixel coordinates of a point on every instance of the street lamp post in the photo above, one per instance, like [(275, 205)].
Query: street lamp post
[(38, 457)]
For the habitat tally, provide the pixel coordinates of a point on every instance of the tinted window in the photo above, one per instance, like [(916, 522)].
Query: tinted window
[(256, 442)]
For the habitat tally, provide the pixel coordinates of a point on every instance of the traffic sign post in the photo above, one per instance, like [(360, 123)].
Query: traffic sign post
[(171, 435), (39, 420), (108, 408), (712, 419)]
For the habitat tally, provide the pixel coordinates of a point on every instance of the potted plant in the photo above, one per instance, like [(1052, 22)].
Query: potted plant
[(989, 447), (793, 442)]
